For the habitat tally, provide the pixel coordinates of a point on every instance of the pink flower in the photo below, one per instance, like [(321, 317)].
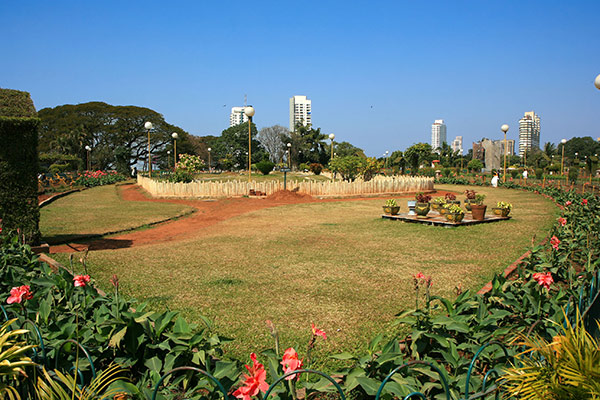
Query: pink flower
[(562, 221), (568, 203), (544, 280), (554, 241), (419, 276), (18, 294), (291, 362), (584, 202), (254, 381), (81, 280), (318, 332)]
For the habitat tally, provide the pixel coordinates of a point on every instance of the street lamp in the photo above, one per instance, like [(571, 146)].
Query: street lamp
[(504, 129), (174, 135), (387, 157), (289, 151), (597, 81), (209, 149), (148, 126), (249, 111), (562, 160), (168, 158), (89, 165), (331, 137)]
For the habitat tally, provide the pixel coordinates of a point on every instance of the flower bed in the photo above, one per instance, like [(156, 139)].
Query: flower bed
[(98, 178)]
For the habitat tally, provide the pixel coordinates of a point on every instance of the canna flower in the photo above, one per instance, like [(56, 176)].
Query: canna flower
[(318, 332), (554, 241), (544, 280), (18, 294), (584, 202), (254, 381), (568, 203), (291, 362), (115, 281), (81, 280), (562, 221), (419, 276)]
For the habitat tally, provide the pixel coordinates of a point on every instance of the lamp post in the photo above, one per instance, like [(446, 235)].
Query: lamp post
[(148, 126), (174, 135), (168, 159), (209, 149), (504, 129), (331, 137), (249, 111), (89, 165), (597, 82), (562, 160), (387, 157), (289, 151)]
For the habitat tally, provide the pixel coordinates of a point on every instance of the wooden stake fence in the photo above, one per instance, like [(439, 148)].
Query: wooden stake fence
[(238, 188)]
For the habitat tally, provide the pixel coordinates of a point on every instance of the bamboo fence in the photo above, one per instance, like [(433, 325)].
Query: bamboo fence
[(238, 188)]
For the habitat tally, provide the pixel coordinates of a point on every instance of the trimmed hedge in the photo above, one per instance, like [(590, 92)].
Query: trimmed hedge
[(19, 165)]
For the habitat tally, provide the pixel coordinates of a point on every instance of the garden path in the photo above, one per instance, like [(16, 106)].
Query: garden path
[(208, 212)]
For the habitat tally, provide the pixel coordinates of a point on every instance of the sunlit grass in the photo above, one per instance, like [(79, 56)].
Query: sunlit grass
[(337, 264), (97, 211)]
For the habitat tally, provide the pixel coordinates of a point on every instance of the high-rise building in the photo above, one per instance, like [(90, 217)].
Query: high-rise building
[(491, 152), (237, 116), (438, 134), (457, 145), (300, 111), (529, 132)]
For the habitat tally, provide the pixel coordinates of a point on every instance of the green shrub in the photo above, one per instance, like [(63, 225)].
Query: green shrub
[(181, 176), (573, 174), (304, 167), (48, 159), (514, 173), (19, 165), (539, 173), (446, 172), (58, 168), (316, 168), (265, 166)]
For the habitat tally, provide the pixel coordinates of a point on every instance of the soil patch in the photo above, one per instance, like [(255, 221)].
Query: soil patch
[(207, 213)]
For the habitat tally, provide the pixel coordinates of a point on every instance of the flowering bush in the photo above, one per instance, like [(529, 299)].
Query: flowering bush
[(99, 178), (190, 163)]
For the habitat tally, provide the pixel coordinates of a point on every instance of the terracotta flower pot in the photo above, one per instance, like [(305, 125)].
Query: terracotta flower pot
[(478, 211)]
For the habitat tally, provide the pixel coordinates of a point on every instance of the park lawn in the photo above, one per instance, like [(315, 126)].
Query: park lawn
[(99, 210), (337, 264)]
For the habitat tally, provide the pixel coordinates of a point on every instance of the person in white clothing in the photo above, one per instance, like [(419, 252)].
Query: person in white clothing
[(495, 180), (525, 174)]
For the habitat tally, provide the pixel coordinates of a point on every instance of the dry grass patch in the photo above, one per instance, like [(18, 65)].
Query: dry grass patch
[(336, 264), (99, 210)]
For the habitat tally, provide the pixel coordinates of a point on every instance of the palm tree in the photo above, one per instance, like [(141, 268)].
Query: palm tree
[(549, 149)]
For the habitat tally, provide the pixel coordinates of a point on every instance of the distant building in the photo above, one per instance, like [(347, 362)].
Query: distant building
[(491, 152), (237, 116), (529, 132), (457, 145), (438, 134), (300, 111)]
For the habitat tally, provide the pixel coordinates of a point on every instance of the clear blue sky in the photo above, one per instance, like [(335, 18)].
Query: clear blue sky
[(378, 73)]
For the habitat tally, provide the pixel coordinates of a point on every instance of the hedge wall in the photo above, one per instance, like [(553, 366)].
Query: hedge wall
[(19, 165)]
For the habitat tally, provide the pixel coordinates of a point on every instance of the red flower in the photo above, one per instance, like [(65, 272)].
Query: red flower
[(419, 276), (18, 294), (291, 362), (584, 202), (562, 221), (554, 241), (568, 203), (544, 280), (81, 280), (318, 332), (254, 381)]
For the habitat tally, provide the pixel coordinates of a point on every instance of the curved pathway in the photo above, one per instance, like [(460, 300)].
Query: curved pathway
[(208, 212)]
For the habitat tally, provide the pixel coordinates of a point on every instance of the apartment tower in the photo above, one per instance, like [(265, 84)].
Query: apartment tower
[(300, 111), (529, 132), (438, 134), (237, 116), (457, 144)]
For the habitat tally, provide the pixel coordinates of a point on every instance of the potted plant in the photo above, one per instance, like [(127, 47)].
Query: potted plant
[(470, 197), (444, 209), (391, 207), (422, 207), (478, 208), (437, 203), (451, 198), (502, 209), (454, 213)]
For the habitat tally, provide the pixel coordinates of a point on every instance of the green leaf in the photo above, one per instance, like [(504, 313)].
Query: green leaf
[(181, 327), (154, 364), (373, 344), (369, 385), (343, 356), (115, 340)]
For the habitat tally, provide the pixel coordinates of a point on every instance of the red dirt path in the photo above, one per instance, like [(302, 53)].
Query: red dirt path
[(208, 212)]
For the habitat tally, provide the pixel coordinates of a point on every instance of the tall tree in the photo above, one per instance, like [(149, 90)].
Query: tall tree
[(343, 149), (271, 139), (308, 145), (231, 149), (418, 154)]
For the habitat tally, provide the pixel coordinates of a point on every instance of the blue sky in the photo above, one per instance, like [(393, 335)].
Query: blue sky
[(378, 73)]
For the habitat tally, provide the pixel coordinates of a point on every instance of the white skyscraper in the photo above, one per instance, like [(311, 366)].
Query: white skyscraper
[(438, 134), (237, 116), (300, 111), (529, 132), (457, 144)]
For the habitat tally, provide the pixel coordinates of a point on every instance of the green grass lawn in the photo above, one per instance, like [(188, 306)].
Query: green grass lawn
[(99, 210), (337, 264)]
